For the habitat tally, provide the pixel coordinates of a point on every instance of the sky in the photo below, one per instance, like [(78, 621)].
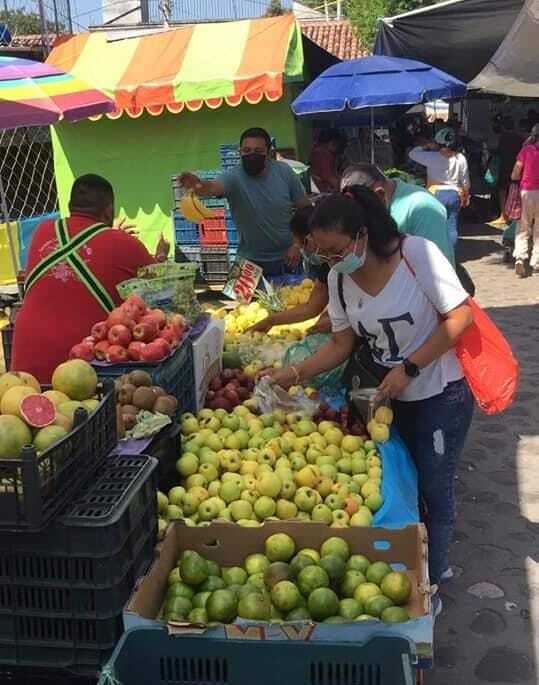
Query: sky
[(84, 12)]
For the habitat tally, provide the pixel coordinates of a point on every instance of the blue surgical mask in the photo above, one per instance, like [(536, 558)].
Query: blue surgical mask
[(352, 262)]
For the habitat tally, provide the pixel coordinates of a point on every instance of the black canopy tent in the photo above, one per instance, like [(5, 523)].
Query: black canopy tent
[(459, 36)]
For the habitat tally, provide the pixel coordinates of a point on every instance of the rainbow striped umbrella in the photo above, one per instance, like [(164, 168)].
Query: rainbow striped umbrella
[(36, 94)]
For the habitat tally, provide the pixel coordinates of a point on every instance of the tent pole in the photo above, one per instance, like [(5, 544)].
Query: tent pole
[(5, 214), (372, 135)]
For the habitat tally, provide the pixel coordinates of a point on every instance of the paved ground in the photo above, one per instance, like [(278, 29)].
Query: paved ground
[(490, 632)]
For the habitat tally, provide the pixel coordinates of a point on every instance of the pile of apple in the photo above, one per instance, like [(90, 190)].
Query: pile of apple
[(229, 389), (245, 468), (132, 333)]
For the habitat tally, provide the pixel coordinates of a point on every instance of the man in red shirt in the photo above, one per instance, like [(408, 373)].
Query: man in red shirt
[(66, 296)]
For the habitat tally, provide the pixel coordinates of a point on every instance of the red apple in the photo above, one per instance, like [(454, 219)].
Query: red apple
[(99, 331), (117, 354), (81, 351), (100, 349), (210, 395), (178, 323), (215, 384), (132, 312), (158, 316), (169, 334), (119, 317), (134, 351), (136, 302), (164, 345), (119, 335), (232, 396), (145, 332), (152, 352)]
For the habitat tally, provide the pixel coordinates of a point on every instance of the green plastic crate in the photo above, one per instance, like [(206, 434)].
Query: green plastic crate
[(150, 655)]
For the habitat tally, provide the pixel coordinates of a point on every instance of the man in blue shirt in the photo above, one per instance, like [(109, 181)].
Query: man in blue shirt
[(414, 209), (263, 195)]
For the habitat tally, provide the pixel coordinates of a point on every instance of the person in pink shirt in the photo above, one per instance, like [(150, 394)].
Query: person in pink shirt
[(526, 170)]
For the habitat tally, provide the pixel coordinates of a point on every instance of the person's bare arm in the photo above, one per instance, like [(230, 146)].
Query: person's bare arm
[(201, 187), (323, 325), (316, 304), (516, 174), (443, 339), (337, 350)]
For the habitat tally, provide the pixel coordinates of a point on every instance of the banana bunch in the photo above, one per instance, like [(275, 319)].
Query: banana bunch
[(193, 209)]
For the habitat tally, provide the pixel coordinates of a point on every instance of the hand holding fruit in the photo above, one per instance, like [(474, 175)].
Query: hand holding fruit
[(283, 377), (393, 384), (190, 181)]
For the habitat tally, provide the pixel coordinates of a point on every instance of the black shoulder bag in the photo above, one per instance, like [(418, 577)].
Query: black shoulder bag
[(361, 371)]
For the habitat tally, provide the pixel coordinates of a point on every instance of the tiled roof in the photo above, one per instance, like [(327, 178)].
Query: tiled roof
[(335, 37)]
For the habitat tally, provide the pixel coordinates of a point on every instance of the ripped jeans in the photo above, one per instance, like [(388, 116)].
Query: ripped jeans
[(434, 430)]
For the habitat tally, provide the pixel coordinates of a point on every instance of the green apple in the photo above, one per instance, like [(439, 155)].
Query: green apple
[(269, 484), (334, 436), (334, 501), (176, 495), (242, 437), (230, 491), (231, 421), (264, 507), (351, 443), (208, 510), (288, 490), (209, 472), (190, 425), (214, 442), (187, 465), (174, 512), (286, 509), (197, 480), (190, 503), (306, 499), (362, 518), (214, 488), (340, 518), (248, 496), (322, 513), (344, 465)]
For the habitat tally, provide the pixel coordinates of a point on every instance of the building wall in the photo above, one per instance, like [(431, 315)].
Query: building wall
[(139, 156)]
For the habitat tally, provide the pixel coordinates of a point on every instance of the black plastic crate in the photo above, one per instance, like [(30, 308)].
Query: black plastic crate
[(7, 344), (175, 374), (166, 448), (61, 606), (34, 488)]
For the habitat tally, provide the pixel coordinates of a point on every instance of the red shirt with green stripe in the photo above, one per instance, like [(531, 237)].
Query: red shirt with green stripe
[(59, 311)]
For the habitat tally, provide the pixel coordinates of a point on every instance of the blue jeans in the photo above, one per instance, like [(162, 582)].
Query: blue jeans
[(451, 201), (434, 431)]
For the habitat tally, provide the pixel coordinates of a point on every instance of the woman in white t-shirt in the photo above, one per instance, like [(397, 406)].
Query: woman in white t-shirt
[(402, 296), (448, 177)]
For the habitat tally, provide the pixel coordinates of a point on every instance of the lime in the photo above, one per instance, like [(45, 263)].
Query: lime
[(312, 578), (378, 571), (299, 562), (397, 586), (213, 568), (335, 619), (285, 596), (323, 603), (335, 545), (200, 599), (377, 604), (222, 606), (198, 616), (256, 563), (280, 547), (255, 607), (257, 580), (174, 576), (350, 582), (365, 591), (234, 575), (366, 617), (180, 590), (358, 562), (334, 566), (193, 569), (307, 551), (178, 606), (276, 572), (248, 589), (212, 583), (299, 614), (350, 608), (395, 615)]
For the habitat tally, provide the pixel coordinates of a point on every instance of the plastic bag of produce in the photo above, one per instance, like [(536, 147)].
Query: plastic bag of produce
[(328, 382), (270, 397)]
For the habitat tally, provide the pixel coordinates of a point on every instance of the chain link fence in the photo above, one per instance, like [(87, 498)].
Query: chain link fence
[(27, 172)]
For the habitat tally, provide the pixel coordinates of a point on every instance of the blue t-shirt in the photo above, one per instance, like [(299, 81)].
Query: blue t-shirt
[(262, 207), (418, 212)]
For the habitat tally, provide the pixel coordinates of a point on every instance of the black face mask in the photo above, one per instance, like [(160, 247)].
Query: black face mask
[(253, 164)]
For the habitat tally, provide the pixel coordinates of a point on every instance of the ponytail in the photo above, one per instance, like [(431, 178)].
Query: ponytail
[(356, 211)]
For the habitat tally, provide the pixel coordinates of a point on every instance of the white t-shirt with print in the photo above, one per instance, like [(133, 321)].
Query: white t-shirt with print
[(398, 320), (450, 171)]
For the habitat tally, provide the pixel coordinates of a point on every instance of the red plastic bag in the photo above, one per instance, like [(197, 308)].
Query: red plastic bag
[(513, 203), (488, 363)]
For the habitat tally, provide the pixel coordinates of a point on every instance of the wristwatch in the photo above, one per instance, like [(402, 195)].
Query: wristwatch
[(410, 369)]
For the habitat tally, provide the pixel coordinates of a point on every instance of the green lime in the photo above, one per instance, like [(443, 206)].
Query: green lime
[(323, 603)]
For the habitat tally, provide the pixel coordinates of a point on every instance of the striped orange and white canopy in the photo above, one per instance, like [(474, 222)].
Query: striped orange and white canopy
[(190, 66)]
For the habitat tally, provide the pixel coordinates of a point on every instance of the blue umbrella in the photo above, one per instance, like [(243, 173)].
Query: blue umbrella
[(374, 82)]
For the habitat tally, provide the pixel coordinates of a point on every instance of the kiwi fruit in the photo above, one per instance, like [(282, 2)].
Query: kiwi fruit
[(130, 409), (140, 378), (144, 398), (158, 391), (166, 405), (125, 394), (129, 421)]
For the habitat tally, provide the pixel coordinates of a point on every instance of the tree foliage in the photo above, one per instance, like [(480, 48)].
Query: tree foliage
[(22, 21)]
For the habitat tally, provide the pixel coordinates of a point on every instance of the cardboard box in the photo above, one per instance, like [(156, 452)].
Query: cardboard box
[(227, 545), (208, 358)]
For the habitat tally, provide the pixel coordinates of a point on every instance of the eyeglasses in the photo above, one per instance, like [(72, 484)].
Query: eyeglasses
[(334, 258)]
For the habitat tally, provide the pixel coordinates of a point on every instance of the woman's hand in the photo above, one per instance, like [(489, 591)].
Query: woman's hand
[(285, 377), (262, 326), (394, 383), (292, 256)]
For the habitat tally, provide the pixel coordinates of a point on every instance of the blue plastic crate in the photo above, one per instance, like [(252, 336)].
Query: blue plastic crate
[(232, 234), (150, 655), (187, 235), (175, 374)]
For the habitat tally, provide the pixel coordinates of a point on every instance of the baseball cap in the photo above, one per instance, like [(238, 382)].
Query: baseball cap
[(445, 137)]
